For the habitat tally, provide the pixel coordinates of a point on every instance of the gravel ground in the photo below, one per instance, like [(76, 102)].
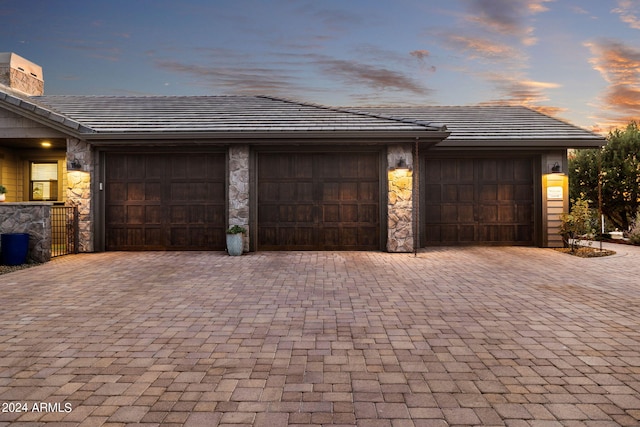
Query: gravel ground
[(9, 268)]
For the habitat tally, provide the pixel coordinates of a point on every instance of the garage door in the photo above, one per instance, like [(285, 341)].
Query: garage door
[(479, 201), (318, 201), (163, 201)]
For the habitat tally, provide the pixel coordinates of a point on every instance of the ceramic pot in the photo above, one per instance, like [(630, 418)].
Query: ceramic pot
[(235, 244)]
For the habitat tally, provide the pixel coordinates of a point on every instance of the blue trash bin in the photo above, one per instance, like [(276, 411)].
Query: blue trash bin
[(14, 248)]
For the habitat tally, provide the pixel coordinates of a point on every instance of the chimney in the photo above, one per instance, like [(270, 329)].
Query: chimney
[(20, 74)]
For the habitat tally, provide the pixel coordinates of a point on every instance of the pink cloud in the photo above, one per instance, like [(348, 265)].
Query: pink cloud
[(629, 11), (619, 65), (507, 17)]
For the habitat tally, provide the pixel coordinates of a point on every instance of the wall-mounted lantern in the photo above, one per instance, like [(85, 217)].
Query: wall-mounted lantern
[(400, 166), (74, 165), (556, 168)]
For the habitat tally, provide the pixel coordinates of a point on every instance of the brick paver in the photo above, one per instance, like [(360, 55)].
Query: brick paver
[(467, 336)]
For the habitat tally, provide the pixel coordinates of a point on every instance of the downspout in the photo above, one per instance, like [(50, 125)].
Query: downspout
[(416, 199)]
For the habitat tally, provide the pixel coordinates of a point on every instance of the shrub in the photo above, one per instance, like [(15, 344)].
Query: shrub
[(577, 224), (634, 232)]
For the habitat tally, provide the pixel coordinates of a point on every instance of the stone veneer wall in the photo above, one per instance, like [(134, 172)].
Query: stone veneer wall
[(79, 190), (400, 201), (21, 81), (239, 189), (33, 218)]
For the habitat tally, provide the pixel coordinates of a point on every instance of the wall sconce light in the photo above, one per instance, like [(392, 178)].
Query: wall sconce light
[(74, 165), (556, 168), (400, 166)]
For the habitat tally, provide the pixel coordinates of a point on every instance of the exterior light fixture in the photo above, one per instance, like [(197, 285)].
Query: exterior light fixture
[(400, 166), (556, 168), (74, 165), (45, 144)]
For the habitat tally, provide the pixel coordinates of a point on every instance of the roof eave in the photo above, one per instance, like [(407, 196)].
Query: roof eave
[(554, 143), (43, 116), (291, 137)]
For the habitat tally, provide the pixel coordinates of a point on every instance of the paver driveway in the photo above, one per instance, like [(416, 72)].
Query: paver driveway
[(470, 336)]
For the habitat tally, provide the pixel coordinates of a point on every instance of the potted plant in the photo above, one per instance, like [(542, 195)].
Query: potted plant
[(3, 192), (235, 242)]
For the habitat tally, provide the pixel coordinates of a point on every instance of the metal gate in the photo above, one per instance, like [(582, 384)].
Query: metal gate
[(64, 230)]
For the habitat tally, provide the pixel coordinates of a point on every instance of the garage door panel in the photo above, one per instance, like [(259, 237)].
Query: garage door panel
[(136, 168), (116, 191), (507, 214), (432, 193), (522, 192), (331, 213), (179, 236), (160, 201), (178, 214), (369, 191), (466, 213), (179, 167), (488, 170), (523, 232), (467, 233), (369, 214), (292, 237), (269, 213), (506, 192), (116, 213), (465, 193), (336, 190), (152, 191), (488, 213), (197, 214), (269, 191), (150, 167), (152, 215), (179, 191), (473, 201), (351, 213), (449, 193), (449, 211), (331, 191), (135, 191), (135, 215), (489, 192), (522, 170), (524, 214)]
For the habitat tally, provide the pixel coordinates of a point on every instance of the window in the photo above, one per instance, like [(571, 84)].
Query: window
[(44, 181)]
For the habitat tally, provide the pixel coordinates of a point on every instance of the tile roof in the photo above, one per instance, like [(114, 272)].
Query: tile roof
[(487, 125), (29, 106), (212, 114), (156, 116)]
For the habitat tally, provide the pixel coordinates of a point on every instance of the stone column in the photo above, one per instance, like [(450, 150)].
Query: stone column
[(79, 190), (239, 189), (400, 200)]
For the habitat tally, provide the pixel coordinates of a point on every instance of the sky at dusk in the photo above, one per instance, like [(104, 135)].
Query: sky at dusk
[(576, 59)]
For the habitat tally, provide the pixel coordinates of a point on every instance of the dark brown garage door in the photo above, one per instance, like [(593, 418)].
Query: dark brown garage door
[(478, 201), (163, 201), (318, 201)]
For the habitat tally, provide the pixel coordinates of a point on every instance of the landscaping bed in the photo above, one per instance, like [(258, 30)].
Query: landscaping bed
[(587, 252)]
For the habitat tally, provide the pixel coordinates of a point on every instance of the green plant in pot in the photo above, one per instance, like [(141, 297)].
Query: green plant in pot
[(235, 242), (3, 192)]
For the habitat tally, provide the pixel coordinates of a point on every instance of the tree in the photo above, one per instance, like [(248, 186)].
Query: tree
[(617, 164)]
